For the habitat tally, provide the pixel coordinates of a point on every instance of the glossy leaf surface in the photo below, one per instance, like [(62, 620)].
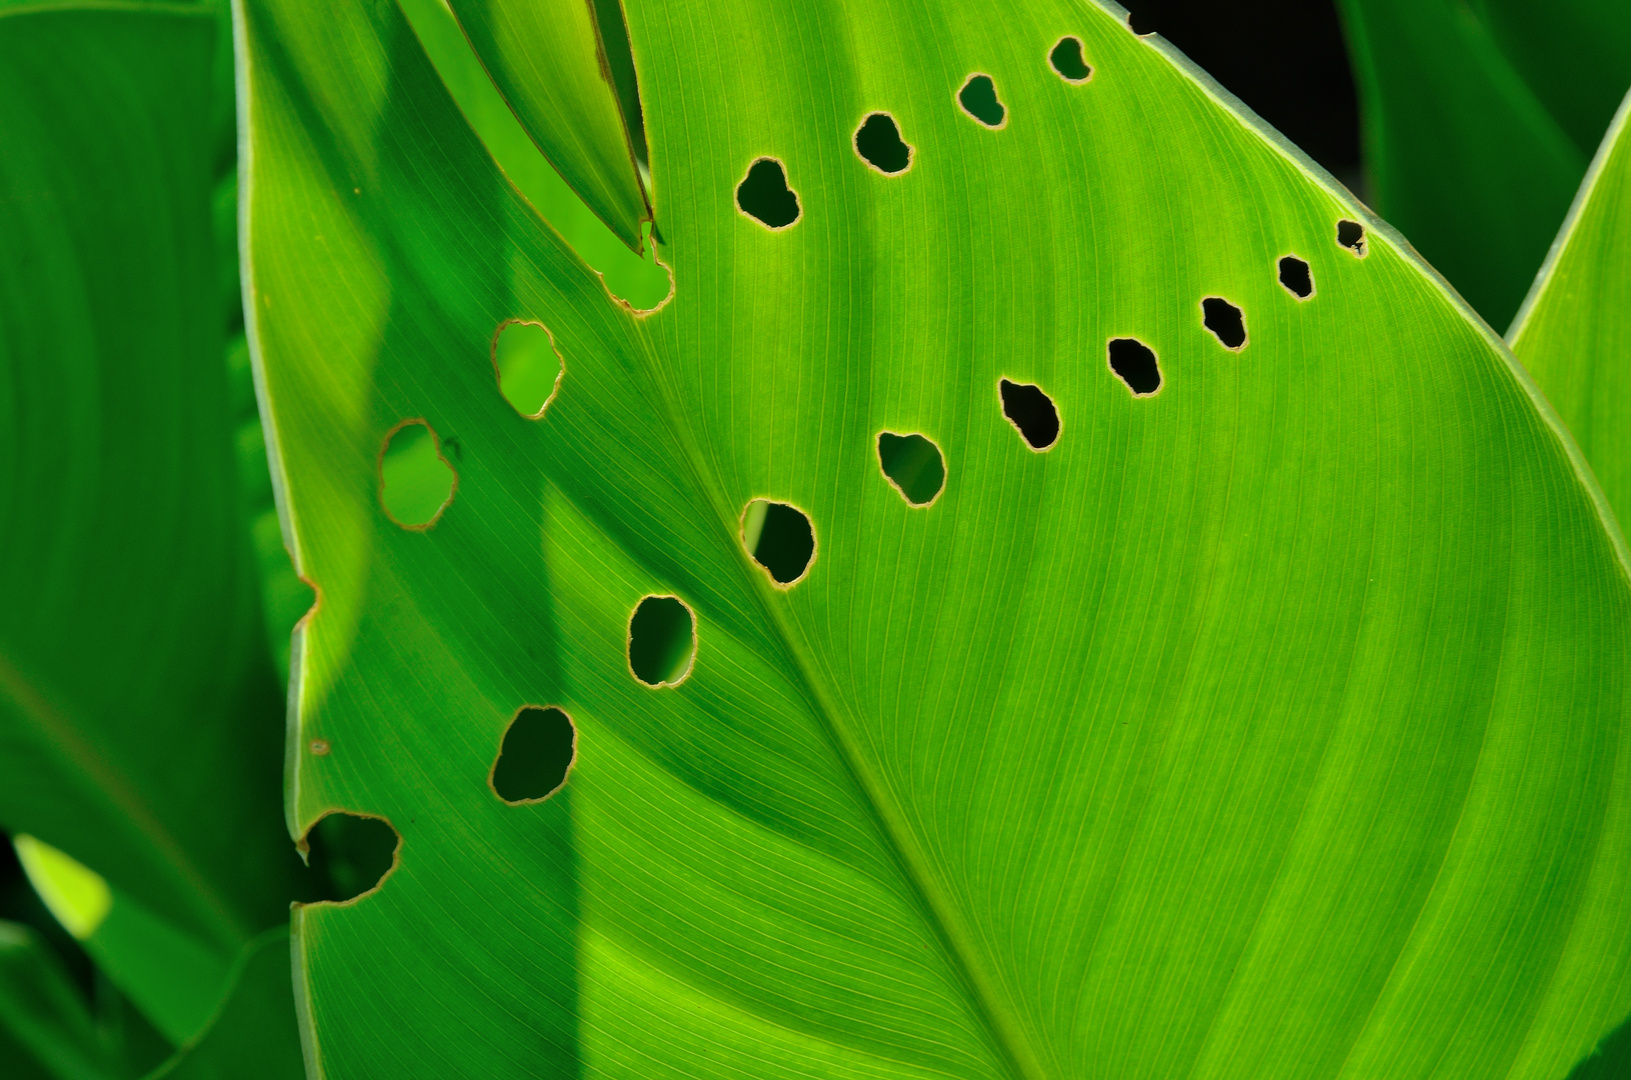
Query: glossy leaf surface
[(1268, 725), (138, 712)]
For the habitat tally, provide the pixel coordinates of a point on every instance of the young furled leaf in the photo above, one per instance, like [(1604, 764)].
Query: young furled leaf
[(1265, 726)]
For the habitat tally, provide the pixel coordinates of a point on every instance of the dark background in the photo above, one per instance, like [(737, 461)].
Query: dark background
[(1286, 59)]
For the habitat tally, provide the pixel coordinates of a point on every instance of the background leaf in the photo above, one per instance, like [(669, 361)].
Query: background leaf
[(1266, 725)]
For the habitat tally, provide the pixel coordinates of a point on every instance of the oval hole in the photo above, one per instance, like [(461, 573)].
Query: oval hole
[(978, 98), (349, 855), (1227, 322), (914, 465), (1135, 364), (662, 641), (537, 753), (878, 142), (1296, 277), (1031, 412), (529, 369), (764, 196), (1351, 235), (780, 538), (1067, 61), (415, 481)]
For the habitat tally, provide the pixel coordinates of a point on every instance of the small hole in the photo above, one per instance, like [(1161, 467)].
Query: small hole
[(914, 465), (319, 748), (1031, 412), (1351, 235), (764, 195), (529, 369), (978, 98), (350, 855), (878, 142), (416, 481), (1066, 59), (536, 755), (780, 539), (1296, 277), (1135, 363), (662, 641), (1140, 23), (1226, 322)]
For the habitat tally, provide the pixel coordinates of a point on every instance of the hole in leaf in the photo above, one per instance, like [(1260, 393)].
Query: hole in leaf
[(878, 142), (914, 465), (416, 481), (350, 855), (535, 757), (1031, 412), (780, 539), (978, 98), (1296, 277), (529, 369), (1067, 61), (662, 641), (764, 195), (1351, 235), (1135, 363), (1226, 322)]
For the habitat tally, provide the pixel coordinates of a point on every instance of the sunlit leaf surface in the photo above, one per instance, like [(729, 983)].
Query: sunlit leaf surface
[(1266, 725)]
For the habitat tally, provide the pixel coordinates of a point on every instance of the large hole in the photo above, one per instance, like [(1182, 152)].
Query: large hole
[(1297, 278), (1226, 322), (416, 481), (878, 142), (1135, 363), (349, 855), (978, 98), (780, 539), (914, 465), (535, 756), (1351, 235), (529, 369), (1031, 412), (1067, 61), (764, 195), (662, 641)]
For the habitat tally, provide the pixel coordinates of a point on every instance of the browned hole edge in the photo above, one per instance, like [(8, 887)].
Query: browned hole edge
[(1117, 375), (787, 178), (303, 845), (1200, 306), (1092, 69), (742, 536), (498, 376), (911, 156), (957, 96), (379, 475), (628, 644), (570, 765), (945, 465), (1313, 283), (1057, 414)]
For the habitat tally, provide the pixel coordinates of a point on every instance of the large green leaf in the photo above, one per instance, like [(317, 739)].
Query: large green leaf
[(42, 1017), (1264, 726), (1461, 153), (138, 713), (1574, 332)]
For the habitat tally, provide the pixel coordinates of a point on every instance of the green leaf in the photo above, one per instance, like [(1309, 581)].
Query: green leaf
[(1574, 332), (563, 66), (252, 1035), (1267, 724), (1461, 154), (139, 719), (44, 1015)]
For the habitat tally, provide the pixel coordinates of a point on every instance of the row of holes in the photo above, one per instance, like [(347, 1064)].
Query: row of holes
[(417, 482), (764, 194)]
